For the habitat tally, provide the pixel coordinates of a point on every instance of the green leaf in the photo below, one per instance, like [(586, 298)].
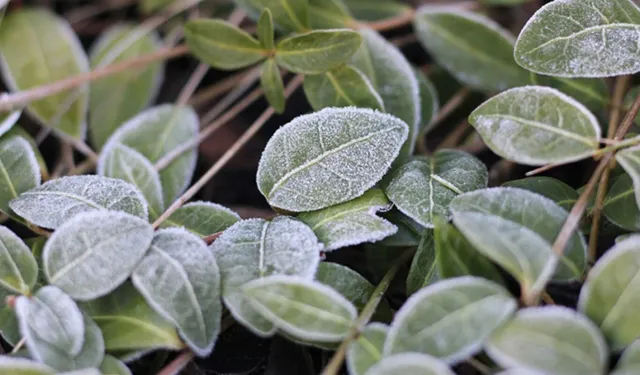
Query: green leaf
[(18, 131), (408, 234), (328, 157), (302, 308), (317, 51), (429, 102), (552, 340), (255, 248), (344, 86), (537, 125), (629, 159), (58, 201), (593, 93), (564, 195), (180, 279), (155, 133), (271, 82), (329, 14), (222, 45), (39, 47), (90, 266), (115, 99), (129, 323), (265, 30), (375, 10), (410, 364), (629, 363), (289, 15), (351, 223), (620, 206), (19, 171), (18, 267), (21, 366), (202, 218), (83, 371), (609, 296), (425, 186), (424, 270), (150, 6), (366, 350), (9, 329), (581, 38), (112, 366), (7, 120), (450, 319)]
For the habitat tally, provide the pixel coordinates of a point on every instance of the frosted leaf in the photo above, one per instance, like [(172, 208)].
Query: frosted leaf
[(156, 132), (57, 201), (450, 319), (18, 267), (410, 364), (564, 195), (180, 279), (301, 307), (124, 163), (19, 170), (592, 92), (552, 340), (328, 157), (629, 363), (581, 38), (424, 187), (366, 350), (93, 253), (256, 248), (351, 223), (112, 366), (7, 120), (202, 218), (629, 159), (537, 125), (22, 366), (18, 131)]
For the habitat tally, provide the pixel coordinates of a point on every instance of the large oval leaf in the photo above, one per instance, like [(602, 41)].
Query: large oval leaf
[(328, 157), (202, 218), (629, 159), (21, 366), (38, 47), (90, 266), (256, 248), (366, 350), (180, 279), (18, 267), (425, 186), (581, 38), (552, 340), (537, 125), (410, 364), (564, 195), (19, 170), (344, 86), (57, 201)]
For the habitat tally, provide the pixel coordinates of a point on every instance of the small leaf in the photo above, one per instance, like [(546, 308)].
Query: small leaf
[(564, 195), (39, 47), (222, 45), (271, 82), (597, 39), (629, 159), (18, 131), (472, 47), (57, 201), (328, 157), (18, 267), (537, 335), (180, 279), (367, 10), (289, 15), (351, 223), (317, 51), (255, 248), (609, 296), (265, 30), (9, 329), (450, 319), (366, 350), (343, 86), (7, 120), (424, 270), (19, 170), (629, 363), (202, 218), (93, 253), (429, 102), (329, 14), (425, 186), (21, 366), (410, 364), (302, 308), (537, 125), (620, 204), (115, 99), (113, 366)]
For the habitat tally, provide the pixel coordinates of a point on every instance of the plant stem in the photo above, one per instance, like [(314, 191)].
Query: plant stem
[(18, 346), (217, 89), (390, 23), (177, 364), (450, 106), (334, 365)]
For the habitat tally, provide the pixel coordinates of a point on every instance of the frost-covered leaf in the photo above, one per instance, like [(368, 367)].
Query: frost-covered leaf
[(564, 195), (38, 47), (265, 30), (410, 364), (124, 163), (115, 99), (552, 340), (629, 159), (581, 38), (289, 15), (302, 308), (18, 267), (351, 223), (272, 85), (156, 132), (344, 86), (424, 270), (537, 125), (256, 248), (128, 323), (610, 295), (593, 93), (7, 120), (366, 350), (202, 218), (328, 157), (367, 10), (472, 47), (222, 44), (424, 187), (429, 102), (408, 234), (21, 366), (95, 252), (57, 201), (180, 279), (450, 319), (112, 366), (629, 363), (317, 51), (620, 205), (329, 14), (18, 131), (19, 170)]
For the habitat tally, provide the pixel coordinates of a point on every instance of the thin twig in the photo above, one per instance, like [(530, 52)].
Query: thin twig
[(177, 364), (479, 366), (85, 12), (390, 23), (455, 136), (450, 106), (216, 89), (18, 346)]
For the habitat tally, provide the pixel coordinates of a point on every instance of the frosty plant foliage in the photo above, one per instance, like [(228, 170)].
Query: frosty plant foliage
[(395, 167)]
